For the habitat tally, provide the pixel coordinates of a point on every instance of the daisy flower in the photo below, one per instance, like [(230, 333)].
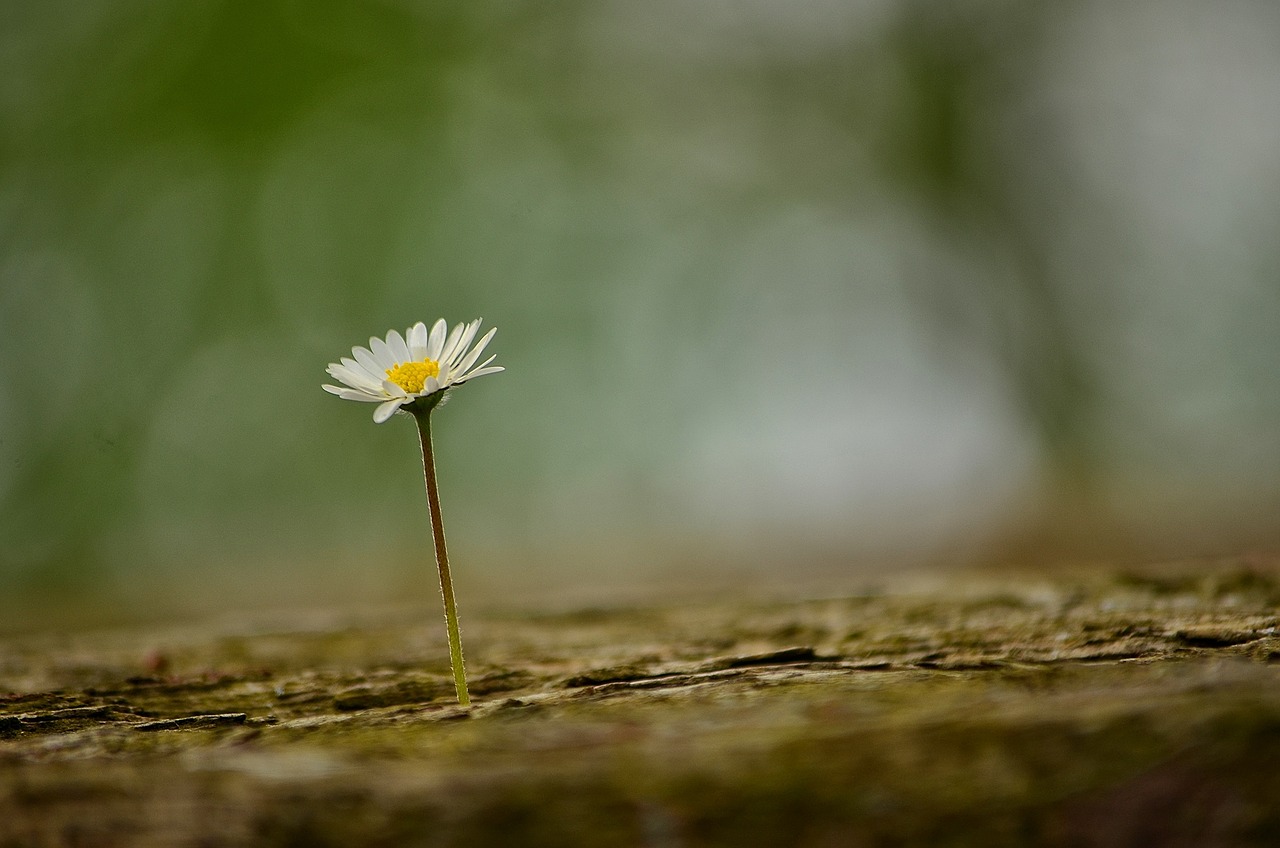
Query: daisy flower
[(400, 370), (412, 373)]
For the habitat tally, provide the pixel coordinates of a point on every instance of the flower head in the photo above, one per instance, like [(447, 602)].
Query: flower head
[(396, 372)]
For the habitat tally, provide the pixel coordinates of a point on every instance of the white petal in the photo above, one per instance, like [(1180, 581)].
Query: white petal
[(430, 386), (371, 364), (467, 335), (353, 394), (436, 342), (357, 368), (483, 366), (386, 358), (393, 390), (480, 372), (382, 413), (464, 375), (398, 347), (418, 341), (471, 357), (351, 378), (451, 344)]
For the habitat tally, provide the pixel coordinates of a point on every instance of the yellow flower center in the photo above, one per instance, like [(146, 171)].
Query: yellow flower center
[(410, 376)]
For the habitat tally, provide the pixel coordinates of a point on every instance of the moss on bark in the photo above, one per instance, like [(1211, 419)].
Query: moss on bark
[(1121, 708)]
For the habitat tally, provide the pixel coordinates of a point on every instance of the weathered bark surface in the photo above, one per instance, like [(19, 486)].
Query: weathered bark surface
[(1119, 709)]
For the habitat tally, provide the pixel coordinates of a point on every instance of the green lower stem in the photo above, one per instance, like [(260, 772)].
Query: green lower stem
[(442, 559)]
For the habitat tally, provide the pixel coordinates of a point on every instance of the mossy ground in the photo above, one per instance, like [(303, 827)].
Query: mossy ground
[(1118, 709)]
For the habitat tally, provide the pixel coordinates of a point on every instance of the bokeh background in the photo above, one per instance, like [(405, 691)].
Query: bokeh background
[(784, 290)]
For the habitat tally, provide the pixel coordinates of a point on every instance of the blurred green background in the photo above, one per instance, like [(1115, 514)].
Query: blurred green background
[(814, 286)]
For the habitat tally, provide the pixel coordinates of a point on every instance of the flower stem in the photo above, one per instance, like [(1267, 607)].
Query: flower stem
[(442, 558)]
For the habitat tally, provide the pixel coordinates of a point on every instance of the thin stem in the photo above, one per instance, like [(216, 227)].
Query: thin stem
[(442, 559)]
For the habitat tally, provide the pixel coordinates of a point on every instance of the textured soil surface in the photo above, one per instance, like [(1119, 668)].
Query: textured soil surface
[(1121, 708)]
